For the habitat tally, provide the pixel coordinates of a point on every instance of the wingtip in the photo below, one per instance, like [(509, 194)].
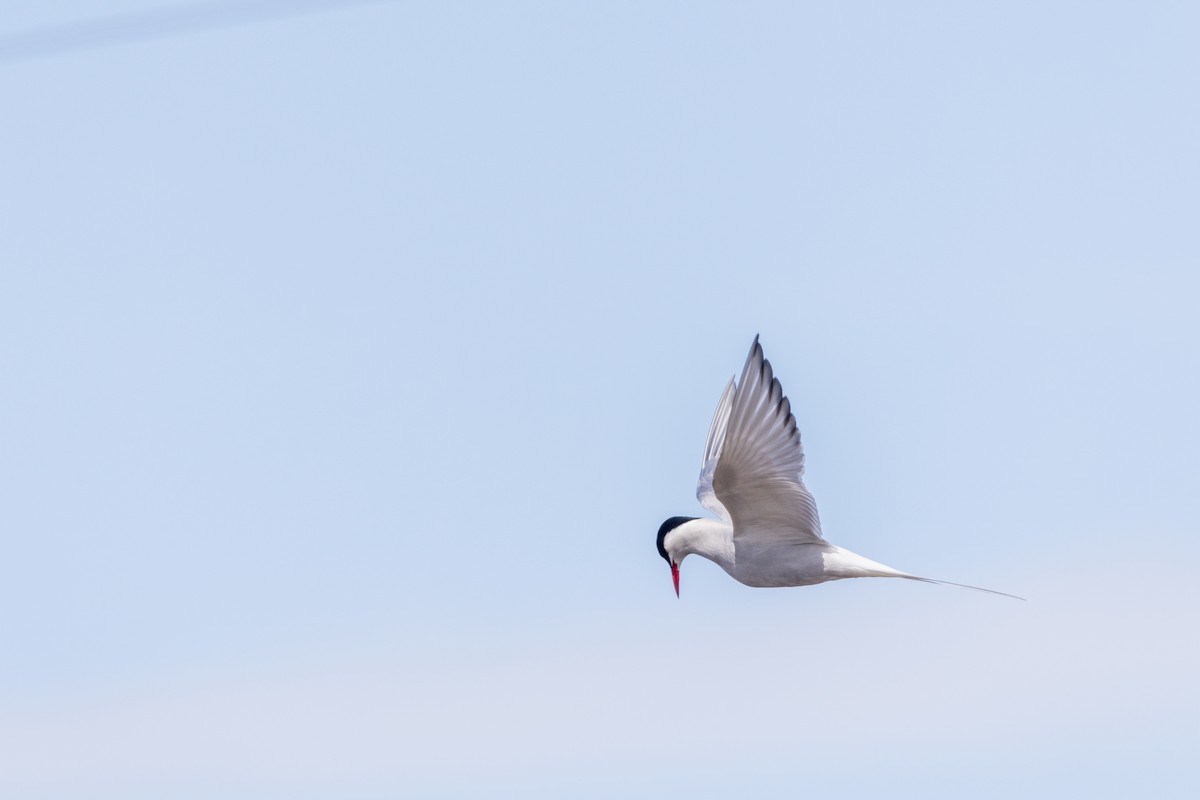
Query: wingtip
[(756, 351)]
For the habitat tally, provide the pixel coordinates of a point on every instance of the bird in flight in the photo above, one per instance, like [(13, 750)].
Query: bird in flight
[(767, 532)]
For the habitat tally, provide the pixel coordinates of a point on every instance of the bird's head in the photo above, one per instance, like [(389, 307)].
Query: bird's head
[(669, 546)]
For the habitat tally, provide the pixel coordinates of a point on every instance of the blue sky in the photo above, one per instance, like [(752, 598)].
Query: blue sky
[(352, 359)]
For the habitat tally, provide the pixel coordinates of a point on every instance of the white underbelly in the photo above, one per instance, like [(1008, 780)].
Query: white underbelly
[(789, 565)]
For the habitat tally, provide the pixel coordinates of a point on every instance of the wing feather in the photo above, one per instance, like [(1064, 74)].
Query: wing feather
[(753, 469), (712, 452)]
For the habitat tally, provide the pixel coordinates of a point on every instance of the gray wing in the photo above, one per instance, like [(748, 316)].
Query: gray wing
[(712, 452), (757, 478)]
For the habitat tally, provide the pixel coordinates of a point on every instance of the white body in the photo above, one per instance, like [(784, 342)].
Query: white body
[(772, 563), (767, 532)]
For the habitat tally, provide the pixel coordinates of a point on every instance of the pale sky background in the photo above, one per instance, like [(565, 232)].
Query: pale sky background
[(352, 359)]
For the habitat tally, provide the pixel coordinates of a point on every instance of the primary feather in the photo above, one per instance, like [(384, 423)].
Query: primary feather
[(757, 462)]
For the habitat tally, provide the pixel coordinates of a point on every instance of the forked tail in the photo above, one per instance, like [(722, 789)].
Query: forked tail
[(841, 563), (960, 585)]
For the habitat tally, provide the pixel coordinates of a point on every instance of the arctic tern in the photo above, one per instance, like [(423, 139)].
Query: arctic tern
[(767, 532)]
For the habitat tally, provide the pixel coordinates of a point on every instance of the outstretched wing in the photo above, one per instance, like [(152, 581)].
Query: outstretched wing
[(754, 462)]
